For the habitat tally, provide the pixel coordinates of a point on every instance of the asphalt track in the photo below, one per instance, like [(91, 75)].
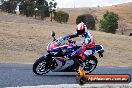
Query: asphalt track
[(18, 75)]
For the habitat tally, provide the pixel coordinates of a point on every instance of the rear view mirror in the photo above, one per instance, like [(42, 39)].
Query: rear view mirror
[(53, 34)]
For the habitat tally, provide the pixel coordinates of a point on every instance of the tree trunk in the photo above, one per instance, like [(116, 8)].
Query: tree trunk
[(51, 17)]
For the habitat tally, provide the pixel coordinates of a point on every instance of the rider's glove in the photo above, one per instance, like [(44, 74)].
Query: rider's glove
[(100, 55)]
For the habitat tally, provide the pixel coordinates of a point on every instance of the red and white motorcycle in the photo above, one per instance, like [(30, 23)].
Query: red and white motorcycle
[(56, 59)]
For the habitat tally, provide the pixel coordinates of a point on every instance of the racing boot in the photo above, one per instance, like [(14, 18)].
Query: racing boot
[(81, 71), (81, 78)]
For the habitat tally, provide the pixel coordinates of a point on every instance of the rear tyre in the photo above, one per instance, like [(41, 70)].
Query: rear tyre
[(41, 66)]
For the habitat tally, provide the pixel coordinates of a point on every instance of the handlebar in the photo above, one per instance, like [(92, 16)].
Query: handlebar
[(60, 41), (71, 41)]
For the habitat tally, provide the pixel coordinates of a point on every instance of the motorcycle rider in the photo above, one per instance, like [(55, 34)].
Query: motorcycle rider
[(87, 42)]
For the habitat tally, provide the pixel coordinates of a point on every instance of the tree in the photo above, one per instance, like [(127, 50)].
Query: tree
[(61, 16), (52, 6), (9, 6), (109, 23), (88, 19), (43, 8), (28, 8), (40, 8), (2, 1)]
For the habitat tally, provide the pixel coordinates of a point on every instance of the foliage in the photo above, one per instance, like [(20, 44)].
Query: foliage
[(27, 8), (88, 19), (61, 16), (9, 6), (40, 8), (52, 6), (43, 8), (109, 23)]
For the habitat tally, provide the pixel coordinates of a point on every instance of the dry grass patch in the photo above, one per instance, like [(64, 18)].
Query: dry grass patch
[(23, 40)]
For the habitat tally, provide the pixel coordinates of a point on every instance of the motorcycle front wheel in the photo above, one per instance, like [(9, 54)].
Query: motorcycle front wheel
[(90, 64), (41, 66)]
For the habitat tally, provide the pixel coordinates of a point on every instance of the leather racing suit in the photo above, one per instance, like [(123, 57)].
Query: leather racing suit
[(87, 43)]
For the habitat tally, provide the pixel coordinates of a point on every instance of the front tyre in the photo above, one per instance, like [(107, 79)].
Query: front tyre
[(91, 64), (41, 66)]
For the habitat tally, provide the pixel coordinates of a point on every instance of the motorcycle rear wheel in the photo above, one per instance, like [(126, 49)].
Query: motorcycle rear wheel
[(41, 66)]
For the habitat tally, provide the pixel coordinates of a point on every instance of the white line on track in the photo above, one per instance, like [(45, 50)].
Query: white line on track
[(129, 85)]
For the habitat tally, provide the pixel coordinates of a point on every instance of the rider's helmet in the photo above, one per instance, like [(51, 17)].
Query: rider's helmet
[(81, 28)]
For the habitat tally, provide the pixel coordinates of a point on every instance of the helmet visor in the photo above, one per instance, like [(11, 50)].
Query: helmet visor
[(80, 32)]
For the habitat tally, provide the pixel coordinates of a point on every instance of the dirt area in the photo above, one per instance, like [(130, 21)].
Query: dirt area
[(124, 12), (23, 40)]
